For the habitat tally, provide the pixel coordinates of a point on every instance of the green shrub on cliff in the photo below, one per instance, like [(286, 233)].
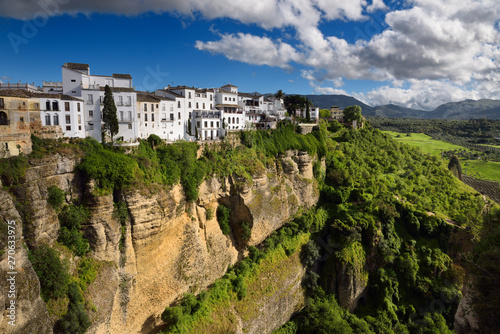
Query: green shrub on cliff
[(109, 169), (52, 272), (223, 217), (56, 197), (71, 219), (12, 170), (76, 320)]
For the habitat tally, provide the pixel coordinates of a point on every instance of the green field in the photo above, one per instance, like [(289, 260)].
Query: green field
[(484, 169), (478, 168), (425, 143)]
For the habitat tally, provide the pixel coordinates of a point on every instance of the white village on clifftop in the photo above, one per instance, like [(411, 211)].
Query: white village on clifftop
[(73, 109)]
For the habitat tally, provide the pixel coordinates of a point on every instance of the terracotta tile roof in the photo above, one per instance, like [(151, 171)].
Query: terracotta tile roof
[(141, 97), (226, 91), (173, 93), (70, 98), (148, 97), (77, 66), (122, 76), (14, 93), (253, 95)]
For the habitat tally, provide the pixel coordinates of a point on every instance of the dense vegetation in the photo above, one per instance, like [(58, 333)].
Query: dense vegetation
[(380, 228)]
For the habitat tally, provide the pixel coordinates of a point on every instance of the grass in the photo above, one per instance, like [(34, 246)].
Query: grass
[(478, 168), (483, 169), (425, 143)]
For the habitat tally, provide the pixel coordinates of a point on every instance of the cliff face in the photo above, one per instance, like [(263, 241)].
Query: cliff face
[(166, 247)]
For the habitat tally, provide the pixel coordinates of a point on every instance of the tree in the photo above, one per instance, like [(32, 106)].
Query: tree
[(109, 114), (352, 113), (293, 103), (279, 94), (324, 113), (189, 127), (308, 112)]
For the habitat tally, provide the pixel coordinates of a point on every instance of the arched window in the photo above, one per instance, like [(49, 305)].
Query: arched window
[(47, 105), (55, 105), (4, 120), (237, 121), (56, 119), (47, 119), (234, 121), (229, 120)]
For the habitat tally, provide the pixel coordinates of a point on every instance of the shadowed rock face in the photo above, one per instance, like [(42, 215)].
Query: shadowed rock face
[(169, 246), (31, 314)]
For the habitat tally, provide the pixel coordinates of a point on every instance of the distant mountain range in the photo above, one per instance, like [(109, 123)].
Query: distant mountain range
[(454, 110)]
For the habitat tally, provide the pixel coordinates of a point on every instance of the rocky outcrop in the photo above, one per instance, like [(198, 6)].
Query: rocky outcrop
[(274, 196), (277, 306), (466, 319), (18, 281), (167, 246), (40, 218), (346, 275)]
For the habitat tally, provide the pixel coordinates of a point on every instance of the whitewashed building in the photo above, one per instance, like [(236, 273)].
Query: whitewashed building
[(62, 110), (78, 82), (208, 124), (158, 115)]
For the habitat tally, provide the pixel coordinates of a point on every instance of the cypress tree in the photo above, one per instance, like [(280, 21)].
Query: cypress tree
[(308, 113), (109, 114)]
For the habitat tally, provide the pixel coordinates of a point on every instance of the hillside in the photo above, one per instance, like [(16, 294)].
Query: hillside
[(454, 110), (468, 109), (342, 101)]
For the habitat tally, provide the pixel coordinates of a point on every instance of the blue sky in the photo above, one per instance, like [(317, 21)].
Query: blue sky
[(416, 53)]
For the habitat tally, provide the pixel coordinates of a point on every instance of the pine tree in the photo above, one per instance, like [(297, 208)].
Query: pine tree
[(109, 114), (189, 126)]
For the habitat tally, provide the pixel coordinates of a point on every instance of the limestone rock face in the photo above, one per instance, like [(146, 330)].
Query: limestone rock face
[(167, 246), (31, 314), (348, 279), (277, 308), (41, 219), (466, 320), (350, 287), (275, 196), (103, 230)]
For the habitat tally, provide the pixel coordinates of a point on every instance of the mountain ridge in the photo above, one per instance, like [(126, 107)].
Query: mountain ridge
[(483, 108)]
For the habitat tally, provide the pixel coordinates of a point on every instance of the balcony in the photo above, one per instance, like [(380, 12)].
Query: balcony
[(95, 87), (206, 114)]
